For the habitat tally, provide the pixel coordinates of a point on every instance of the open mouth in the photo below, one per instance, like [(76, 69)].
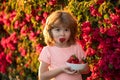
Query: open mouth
[(62, 39)]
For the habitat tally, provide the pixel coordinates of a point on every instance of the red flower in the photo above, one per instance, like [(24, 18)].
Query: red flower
[(118, 39), (39, 48), (38, 18), (86, 37), (32, 36), (100, 1), (3, 62), (16, 24), (86, 24), (94, 12), (23, 52), (3, 42), (43, 21), (117, 10), (115, 18), (90, 51), (103, 30), (111, 32), (9, 58), (86, 27), (45, 14), (12, 15), (23, 31), (3, 69), (96, 34), (28, 17), (52, 2)]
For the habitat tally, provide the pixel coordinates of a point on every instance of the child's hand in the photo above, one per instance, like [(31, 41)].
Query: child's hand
[(85, 70), (68, 70), (81, 70)]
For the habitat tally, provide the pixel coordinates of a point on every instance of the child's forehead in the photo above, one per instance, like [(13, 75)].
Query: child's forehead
[(61, 26)]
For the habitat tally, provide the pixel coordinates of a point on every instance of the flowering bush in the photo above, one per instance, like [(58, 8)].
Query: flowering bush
[(99, 22), (21, 39)]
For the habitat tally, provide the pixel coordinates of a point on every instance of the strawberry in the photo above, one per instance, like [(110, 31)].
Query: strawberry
[(83, 60), (73, 59)]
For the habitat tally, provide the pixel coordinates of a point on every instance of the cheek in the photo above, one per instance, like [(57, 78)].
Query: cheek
[(68, 35), (55, 37)]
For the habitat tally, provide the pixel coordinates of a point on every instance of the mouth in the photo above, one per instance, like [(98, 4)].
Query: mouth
[(62, 40)]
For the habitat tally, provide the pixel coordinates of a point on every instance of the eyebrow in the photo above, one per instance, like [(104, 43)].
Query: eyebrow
[(54, 26)]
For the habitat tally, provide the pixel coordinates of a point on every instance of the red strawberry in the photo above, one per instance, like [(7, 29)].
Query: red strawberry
[(83, 60), (73, 59)]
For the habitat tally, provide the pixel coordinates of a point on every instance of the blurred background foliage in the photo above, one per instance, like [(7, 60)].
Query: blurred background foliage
[(21, 39)]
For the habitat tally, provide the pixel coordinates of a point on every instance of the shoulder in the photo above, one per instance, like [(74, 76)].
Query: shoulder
[(78, 47), (46, 51), (46, 47), (77, 44)]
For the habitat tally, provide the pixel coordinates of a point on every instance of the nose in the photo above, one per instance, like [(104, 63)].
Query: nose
[(62, 33)]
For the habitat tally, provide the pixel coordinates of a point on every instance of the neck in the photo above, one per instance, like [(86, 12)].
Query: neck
[(62, 45)]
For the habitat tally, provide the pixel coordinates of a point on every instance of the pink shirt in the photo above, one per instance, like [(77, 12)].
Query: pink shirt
[(57, 57)]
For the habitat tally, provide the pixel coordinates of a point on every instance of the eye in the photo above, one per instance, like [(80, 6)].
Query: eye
[(57, 29), (67, 29)]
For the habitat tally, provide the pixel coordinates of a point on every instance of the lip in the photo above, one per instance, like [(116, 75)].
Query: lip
[(62, 39)]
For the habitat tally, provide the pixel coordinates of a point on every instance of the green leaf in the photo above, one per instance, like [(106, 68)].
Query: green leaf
[(110, 66), (106, 16)]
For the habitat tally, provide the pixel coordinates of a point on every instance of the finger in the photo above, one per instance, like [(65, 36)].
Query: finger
[(77, 72), (71, 72)]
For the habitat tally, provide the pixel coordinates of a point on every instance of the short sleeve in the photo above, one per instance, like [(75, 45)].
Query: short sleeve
[(80, 51), (44, 55)]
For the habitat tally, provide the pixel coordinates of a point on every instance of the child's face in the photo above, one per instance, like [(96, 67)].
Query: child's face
[(61, 34)]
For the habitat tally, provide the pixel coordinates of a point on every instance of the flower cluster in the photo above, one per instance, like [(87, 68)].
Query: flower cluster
[(99, 35), (102, 45), (21, 39)]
